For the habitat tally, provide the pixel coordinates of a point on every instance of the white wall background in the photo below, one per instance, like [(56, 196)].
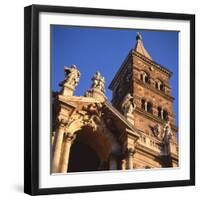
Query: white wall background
[(11, 100)]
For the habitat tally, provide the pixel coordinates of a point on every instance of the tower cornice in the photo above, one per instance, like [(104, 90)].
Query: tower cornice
[(153, 63)]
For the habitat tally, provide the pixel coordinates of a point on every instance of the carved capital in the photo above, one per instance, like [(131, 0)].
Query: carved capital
[(61, 122), (130, 151), (69, 137)]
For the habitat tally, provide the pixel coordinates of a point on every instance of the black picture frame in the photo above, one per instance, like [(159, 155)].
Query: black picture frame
[(31, 98)]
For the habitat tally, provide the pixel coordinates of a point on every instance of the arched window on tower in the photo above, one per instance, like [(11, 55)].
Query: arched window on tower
[(159, 112), (141, 77), (149, 107), (156, 85), (159, 85), (144, 77), (165, 115)]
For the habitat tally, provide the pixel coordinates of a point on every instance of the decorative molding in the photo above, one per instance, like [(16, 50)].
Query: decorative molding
[(158, 66)]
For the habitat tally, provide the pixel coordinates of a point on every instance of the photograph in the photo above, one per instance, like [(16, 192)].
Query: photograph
[(109, 99), (114, 102)]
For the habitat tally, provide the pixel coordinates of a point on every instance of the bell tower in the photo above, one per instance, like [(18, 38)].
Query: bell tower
[(147, 82)]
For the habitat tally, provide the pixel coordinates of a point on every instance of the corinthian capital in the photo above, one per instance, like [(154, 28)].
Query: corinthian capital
[(130, 151), (69, 137), (61, 121)]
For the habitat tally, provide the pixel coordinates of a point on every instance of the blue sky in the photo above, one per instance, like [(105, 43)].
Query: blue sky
[(104, 49)]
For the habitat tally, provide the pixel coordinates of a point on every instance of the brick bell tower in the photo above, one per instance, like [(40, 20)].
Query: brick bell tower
[(146, 84)]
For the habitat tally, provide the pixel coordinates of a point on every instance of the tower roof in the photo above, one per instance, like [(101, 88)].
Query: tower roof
[(139, 47)]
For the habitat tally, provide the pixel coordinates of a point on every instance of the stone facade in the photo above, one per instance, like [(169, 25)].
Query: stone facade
[(136, 130)]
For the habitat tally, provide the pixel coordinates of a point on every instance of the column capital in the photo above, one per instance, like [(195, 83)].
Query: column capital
[(69, 137), (61, 122), (130, 151)]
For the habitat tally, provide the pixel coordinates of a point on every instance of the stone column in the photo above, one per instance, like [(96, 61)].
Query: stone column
[(143, 78), (68, 139), (159, 85), (161, 113), (145, 106), (57, 147), (130, 154)]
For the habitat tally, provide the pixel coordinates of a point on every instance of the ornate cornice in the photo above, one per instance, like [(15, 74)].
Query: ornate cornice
[(153, 63), (132, 52)]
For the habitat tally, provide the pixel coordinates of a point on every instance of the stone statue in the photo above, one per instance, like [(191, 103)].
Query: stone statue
[(98, 82), (157, 131), (167, 132), (128, 105), (102, 84), (72, 76)]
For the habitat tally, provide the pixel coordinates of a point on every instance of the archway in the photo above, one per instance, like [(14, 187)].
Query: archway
[(89, 152), (82, 157)]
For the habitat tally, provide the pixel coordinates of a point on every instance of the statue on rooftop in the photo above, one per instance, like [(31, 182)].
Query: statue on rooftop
[(98, 82), (72, 76)]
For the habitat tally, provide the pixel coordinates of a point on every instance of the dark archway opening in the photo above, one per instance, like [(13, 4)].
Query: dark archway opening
[(82, 158), (149, 107), (165, 115)]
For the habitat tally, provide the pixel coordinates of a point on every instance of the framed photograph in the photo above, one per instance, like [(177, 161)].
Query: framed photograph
[(109, 100)]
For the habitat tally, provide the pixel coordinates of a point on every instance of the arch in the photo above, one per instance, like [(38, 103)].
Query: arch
[(149, 107), (162, 87), (144, 77), (159, 85), (165, 115), (82, 157), (159, 112), (93, 146), (156, 85)]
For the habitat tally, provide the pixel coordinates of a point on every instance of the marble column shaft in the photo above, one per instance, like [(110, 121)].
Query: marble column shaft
[(57, 148), (68, 139), (130, 158)]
